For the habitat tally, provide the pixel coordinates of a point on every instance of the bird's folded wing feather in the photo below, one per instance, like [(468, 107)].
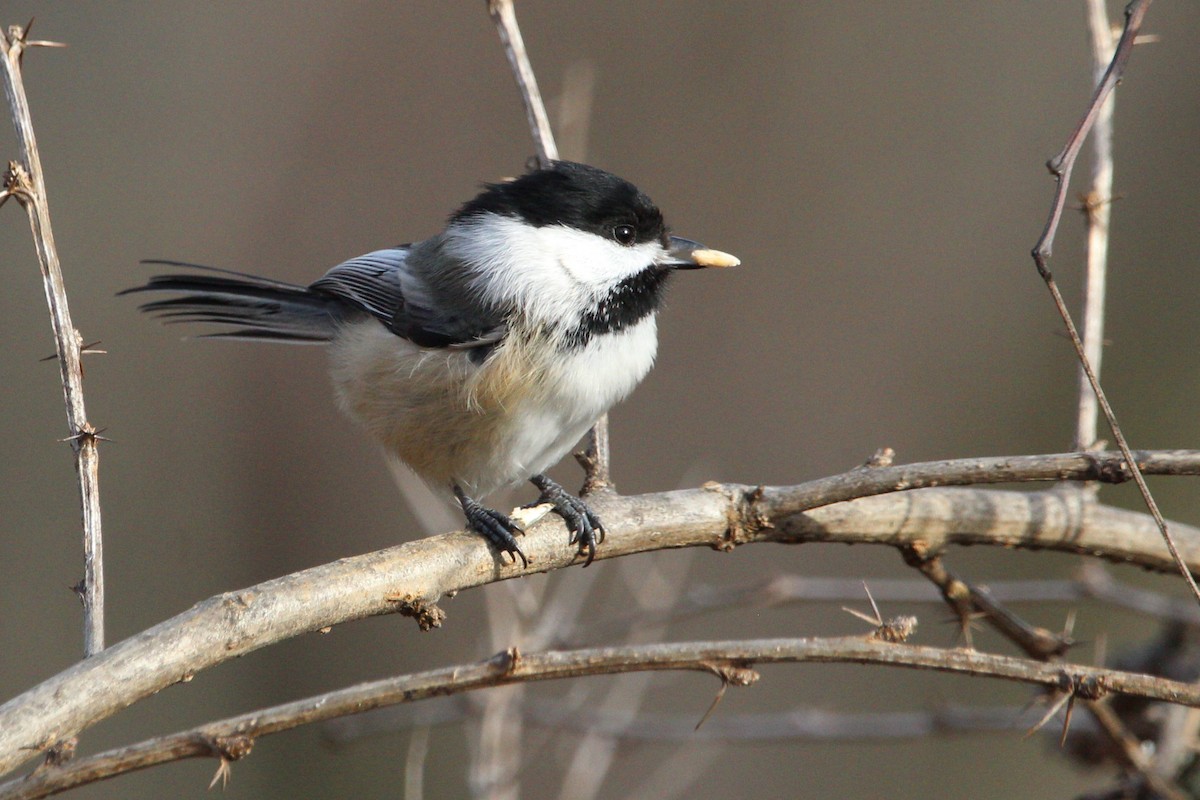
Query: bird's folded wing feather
[(384, 285)]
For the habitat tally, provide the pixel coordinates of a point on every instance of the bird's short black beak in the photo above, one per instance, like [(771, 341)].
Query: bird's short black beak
[(686, 254)]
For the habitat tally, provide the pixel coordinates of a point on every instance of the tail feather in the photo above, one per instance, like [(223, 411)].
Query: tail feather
[(261, 309)]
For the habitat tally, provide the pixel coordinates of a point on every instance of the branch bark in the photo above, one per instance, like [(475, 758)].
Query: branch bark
[(410, 578), (25, 181)]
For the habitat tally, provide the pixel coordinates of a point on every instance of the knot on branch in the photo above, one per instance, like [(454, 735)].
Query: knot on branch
[(896, 630), (731, 673), (428, 615), (230, 748), (744, 515), (1112, 470), (734, 673), (1084, 687)]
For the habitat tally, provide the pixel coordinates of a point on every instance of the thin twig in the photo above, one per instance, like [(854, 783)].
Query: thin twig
[(595, 458), (1060, 167), (511, 667), (26, 182), (1097, 209), (505, 16)]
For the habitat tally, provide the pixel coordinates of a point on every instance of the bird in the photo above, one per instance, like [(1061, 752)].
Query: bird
[(480, 355)]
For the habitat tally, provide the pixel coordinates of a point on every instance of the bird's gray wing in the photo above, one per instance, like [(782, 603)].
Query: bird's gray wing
[(384, 285)]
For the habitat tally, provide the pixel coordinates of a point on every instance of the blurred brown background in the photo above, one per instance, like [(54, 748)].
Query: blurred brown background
[(877, 167)]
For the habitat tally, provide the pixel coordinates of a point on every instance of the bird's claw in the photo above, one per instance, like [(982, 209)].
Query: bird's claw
[(494, 526), (586, 529)]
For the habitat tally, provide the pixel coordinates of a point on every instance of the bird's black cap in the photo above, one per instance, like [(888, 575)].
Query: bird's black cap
[(574, 195)]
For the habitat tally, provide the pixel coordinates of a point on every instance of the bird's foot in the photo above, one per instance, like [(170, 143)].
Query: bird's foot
[(586, 529), (497, 528)]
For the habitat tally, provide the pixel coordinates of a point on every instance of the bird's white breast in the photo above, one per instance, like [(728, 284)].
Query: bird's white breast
[(485, 426)]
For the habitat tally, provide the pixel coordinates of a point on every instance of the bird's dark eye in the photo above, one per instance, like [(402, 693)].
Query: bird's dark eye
[(625, 234)]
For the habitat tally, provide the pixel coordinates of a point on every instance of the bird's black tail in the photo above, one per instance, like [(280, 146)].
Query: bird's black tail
[(257, 309)]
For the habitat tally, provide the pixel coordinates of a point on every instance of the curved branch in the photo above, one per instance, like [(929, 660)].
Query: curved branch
[(410, 578), (233, 738)]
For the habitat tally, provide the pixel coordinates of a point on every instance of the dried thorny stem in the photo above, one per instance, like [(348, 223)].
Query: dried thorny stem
[(25, 182), (595, 458), (968, 601), (232, 738), (1097, 209), (1060, 167)]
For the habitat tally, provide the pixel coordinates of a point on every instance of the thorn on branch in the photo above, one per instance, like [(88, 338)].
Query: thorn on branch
[(731, 674), (16, 183), (894, 630), (1063, 699), (88, 433), (18, 38), (1062, 740)]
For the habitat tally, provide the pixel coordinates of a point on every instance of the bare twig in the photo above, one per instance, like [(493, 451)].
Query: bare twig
[(505, 16), (1060, 167), (1097, 209), (411, 577), (25, 181), (595, 458), (510, 667)]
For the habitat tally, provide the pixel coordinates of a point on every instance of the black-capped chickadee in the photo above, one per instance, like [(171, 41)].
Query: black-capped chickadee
[(479, 356)]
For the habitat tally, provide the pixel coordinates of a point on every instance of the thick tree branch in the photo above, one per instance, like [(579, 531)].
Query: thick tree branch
[(410, 578), (232, 738), (25, 181)]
